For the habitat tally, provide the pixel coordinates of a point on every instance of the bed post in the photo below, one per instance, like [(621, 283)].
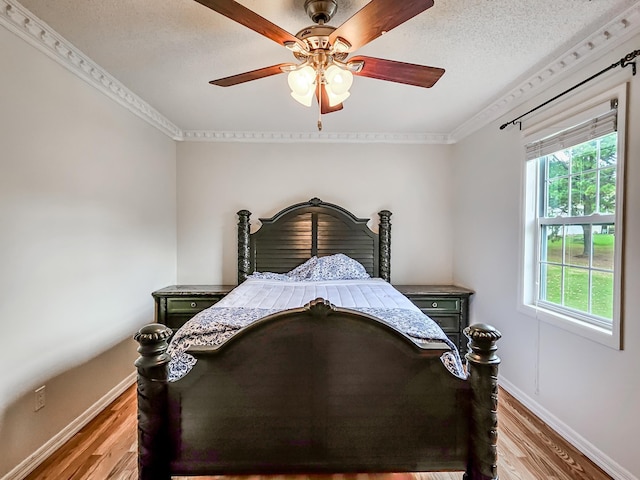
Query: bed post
[(244, 262), (482, 363), (153, 441), (384, 247)]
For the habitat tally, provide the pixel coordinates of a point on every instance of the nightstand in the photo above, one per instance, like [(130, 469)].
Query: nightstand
[(447, 305), (178, 303)]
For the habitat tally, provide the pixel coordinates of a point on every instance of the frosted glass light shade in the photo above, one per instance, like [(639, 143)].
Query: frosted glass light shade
[(339, 82), (302, 83)]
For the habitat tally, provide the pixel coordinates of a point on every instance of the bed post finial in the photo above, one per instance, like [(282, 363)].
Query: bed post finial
[(385, 245), (244, 251), (153, 437), (482, 363)]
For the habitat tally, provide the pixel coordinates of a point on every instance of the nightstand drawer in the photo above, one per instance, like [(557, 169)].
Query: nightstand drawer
[(177, 304), (447, 305), (189, 306), (448, 323), (436, 304)]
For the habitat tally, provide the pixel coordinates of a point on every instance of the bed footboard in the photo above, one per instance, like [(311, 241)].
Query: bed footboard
[(482, 363), (153, 454), (452, 425)]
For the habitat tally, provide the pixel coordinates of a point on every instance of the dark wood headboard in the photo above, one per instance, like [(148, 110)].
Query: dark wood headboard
[(303, 230)]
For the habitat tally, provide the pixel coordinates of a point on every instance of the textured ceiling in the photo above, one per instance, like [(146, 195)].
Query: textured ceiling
[(166, 51)]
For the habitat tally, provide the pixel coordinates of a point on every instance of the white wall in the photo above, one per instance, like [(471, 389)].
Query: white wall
[(87, 208), (588, 391), (215, 180), (88, 213)]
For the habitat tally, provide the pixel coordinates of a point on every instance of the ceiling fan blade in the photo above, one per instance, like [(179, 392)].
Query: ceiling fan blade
[(376, 18), (399, 72), (324, 101), (248, 76), (241, 14)]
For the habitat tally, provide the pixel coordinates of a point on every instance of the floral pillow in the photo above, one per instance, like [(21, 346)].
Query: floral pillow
[(301, 272), (337, 267), (270, 276), (331, 267)]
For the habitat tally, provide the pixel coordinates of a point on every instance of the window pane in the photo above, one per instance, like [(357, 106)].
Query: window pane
[(583, 194), (602, 294), (551, 283), (551, 246), (603, 240), (607, 199), (557, 201), (577, 245), (576, 288), (608, 150), (584, 157), (558, 164)]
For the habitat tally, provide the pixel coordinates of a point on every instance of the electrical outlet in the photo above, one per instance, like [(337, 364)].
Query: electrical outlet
[(40, 398)]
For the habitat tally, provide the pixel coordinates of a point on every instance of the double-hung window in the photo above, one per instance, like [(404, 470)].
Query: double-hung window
[(573, 220)]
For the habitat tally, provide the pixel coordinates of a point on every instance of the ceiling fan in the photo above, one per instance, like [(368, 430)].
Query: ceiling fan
[(325, 71)]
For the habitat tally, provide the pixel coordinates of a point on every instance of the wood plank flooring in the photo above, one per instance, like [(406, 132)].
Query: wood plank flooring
[(528, 450)]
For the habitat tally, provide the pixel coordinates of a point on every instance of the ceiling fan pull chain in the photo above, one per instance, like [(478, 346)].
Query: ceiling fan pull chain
[(319, 103)]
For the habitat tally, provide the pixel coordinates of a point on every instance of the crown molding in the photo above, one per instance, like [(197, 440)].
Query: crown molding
[(315, 137), (40, 35), (614, 33), (37, 33)]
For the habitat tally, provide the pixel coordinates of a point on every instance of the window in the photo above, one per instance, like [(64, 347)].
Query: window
[(572, 241)]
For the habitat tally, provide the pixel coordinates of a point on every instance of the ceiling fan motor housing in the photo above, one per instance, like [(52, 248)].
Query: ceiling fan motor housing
[(317, 39), (321, 11)]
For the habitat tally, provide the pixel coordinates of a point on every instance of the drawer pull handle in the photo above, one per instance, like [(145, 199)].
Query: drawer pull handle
[(434, 304), (194, 304)]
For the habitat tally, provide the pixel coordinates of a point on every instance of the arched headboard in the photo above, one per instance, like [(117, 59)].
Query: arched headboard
[(303, 230)]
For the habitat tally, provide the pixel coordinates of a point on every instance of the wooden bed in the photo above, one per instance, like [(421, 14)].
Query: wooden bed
[(316, 389)]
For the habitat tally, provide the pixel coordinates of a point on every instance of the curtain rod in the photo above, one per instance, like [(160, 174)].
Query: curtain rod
[(623, 62)]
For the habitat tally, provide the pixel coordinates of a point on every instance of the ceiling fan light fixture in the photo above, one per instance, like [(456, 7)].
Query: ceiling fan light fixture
[(338, 82), (302, 82)]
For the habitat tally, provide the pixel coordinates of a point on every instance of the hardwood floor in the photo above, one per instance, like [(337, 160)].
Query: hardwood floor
[(106, 450)]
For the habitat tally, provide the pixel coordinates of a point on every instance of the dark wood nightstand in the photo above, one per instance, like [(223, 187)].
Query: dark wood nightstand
[(178, 303), (448, 305)]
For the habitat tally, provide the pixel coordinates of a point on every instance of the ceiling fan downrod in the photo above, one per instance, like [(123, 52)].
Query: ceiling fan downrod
[(321, 11)]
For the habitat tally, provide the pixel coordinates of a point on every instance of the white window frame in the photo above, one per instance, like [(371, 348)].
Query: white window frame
[(572, 112)]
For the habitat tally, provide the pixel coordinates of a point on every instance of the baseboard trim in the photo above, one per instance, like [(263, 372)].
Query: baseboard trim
[(36, 458), (596, 455), (587, 448)]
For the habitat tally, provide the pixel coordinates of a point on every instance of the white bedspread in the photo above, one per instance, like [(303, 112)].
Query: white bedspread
[(256, 298), (279, 295)]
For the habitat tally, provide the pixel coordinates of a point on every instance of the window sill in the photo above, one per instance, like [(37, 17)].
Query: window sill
[(603, 336)]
